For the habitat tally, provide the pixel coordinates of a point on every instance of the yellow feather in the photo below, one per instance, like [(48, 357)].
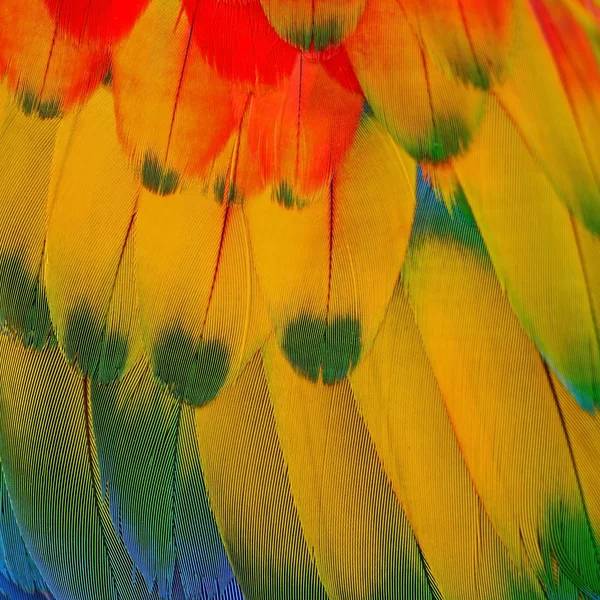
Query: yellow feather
[(539, 106), (499, 399), (173, 111), (26, 146), (201, 311), (416, 439), (432, 115), (351, 520), (89, 249), (249, 491), (328, 270), (532, 243)]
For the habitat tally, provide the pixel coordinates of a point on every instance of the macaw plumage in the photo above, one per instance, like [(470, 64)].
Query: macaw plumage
[(299, 299)]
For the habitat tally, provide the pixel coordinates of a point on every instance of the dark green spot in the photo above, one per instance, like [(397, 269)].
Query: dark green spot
[(314, 347), (194, 372), (23, 304), (219, 189), (107, 81), (234, 195), (49, 109), (156, 179), (100, 354), (449, 138), (286, 197), (27, 101), (318, 37), (30, 104)]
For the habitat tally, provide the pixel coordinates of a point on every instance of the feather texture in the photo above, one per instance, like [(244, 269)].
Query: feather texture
[(528, 483), (362, 543), (327, 271), (17, 569), (151, 475), (469, 39), (314, 24), (316, 120), (437, 116), (250, 348), (25, 171), (535, 251), (47, 70), (89, 265), (249, 491), (175, 118), (206, 319), (45, 405), (524, 95)]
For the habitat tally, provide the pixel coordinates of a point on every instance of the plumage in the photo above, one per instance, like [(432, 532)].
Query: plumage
[(175, 117), (493, 417), (470, 39), (299, 299), (314, 24), (438, 115), (47, 70), (151, 477), (236, 38), (96, 324), (45, 404), (248, 488), (96, 21), (316, 118), (206, 319), (353, 524), (537, 76), (327, 270), (535, 249), (421, 451), (25, 172), (17, 569)]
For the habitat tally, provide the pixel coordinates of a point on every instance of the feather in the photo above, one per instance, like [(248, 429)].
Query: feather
[(89, 270), (534, 249), (431, 115), (544, 68), (582, 432), (361, 541), (236, 38), (96, 21), (500, 401), (150, 472), (16, 566), (414, 435), (249, 491), (49, 461), (48, 71), (315, 122), (236, 174), (314, 24), (469, 39), (579, 70), (27, 144), (174, 118), (204, 319), (327, 271)]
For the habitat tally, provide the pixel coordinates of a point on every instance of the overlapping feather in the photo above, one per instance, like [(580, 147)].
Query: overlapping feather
[(181, 182)]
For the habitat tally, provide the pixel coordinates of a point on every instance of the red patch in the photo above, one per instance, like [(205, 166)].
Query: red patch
[(96, 20), (237, 39)]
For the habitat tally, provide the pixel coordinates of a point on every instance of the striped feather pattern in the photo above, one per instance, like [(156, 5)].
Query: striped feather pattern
[(299, 299)]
